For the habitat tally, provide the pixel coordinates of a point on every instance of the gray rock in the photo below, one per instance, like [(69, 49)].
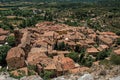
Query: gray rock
[(86, 77), (115, 78), (5, 77), (66, 77), (33, 77), (0, 67)]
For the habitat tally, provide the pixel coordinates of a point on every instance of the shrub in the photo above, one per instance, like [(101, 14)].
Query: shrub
[(61, 46), (115, 59), (20, 74), (3, 53), (118, 41), (31, 70), (103, 54), (46, 75), (74, 56), (11, 40), (88, 61)]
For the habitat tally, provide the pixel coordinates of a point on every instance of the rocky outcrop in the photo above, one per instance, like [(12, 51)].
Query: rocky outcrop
[(6, 76), (115, 78), (33, 77), (86, 77)]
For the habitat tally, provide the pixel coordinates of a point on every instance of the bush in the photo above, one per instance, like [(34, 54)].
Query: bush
[(103, 54), (88, 61), (61, 46), (3, 53), (11, 40), (118, 41), (115, 59), (31, 70), (46, 75), (74, 56), (20, 74)]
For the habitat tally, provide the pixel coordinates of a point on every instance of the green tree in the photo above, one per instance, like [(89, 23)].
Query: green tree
[(88, 61), (103, 54), (3, 53), (74, 56), (118, 41), (61, 46), (46, 75), (11, 40)]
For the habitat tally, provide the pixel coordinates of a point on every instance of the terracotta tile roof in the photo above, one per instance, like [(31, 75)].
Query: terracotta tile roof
[(107, 33), (82, 43), (102, 47), (52, 52), (96, 63), (40, 42), (49, 33), (2, 38), (35, 55), (63, 52), (50, 67), (78, 70), (67, 63), (92, 50), (92, 36), (59, 67), (63, 63), (15, 52), (71, 43), (3, 32), (89, 41), (117, 51), (106, 40), (90, 31), (46, 61)]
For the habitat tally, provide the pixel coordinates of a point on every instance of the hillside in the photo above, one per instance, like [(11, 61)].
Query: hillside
[(53, 0), (60, 38)]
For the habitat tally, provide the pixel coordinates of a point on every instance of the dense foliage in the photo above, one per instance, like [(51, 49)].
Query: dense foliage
[(11, 41), (100, 15), (115, 59), (3, 53)]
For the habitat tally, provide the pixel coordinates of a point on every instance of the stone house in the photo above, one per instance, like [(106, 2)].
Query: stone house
[(117, 52), (3, 32), (3, 39), (3, 36), (92, 51), (36, 55), (15, 58)]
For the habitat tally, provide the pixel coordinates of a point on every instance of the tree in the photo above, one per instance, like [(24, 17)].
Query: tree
[(118, 41), (11, 41), (77, 48), (74, 56), (61, 46), (3, 53), (48, 16), (88, 61), (28, 22), (56, 46), (103, 54), (46, 75)]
